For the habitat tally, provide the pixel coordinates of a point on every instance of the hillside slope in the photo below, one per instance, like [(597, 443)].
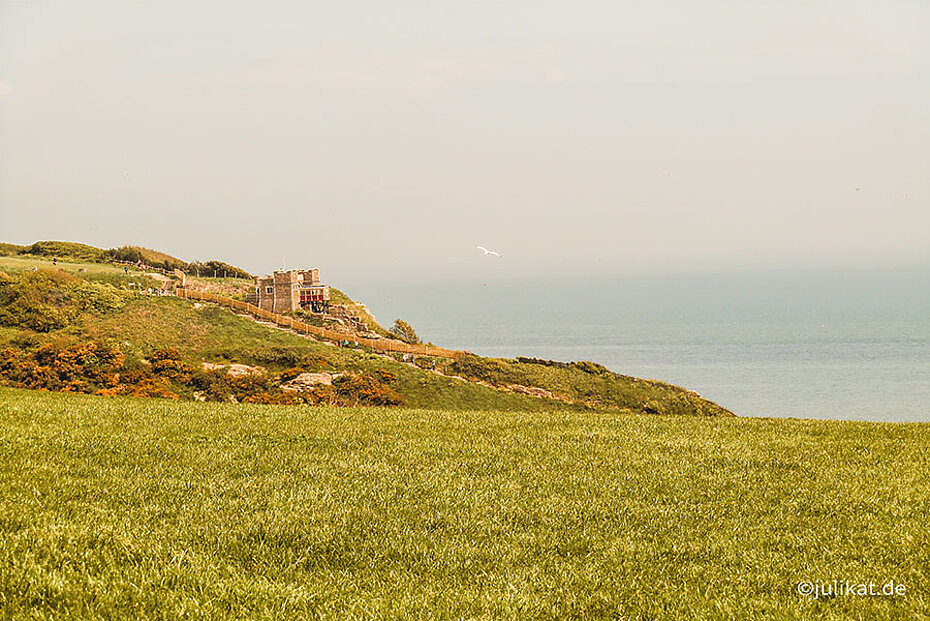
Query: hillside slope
[(77, 252), (65, 306)]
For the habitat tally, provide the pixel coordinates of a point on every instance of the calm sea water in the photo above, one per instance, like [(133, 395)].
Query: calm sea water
[(836, 345)]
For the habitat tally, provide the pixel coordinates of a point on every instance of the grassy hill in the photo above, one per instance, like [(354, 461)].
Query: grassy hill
[(140, 508), (83, 253), (62, 250), (52, 307), (7, 249)]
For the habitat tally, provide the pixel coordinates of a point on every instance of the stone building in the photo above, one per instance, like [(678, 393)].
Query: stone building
[(290, 290)]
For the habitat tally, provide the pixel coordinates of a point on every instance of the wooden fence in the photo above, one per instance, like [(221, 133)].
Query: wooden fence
[(300, 326)]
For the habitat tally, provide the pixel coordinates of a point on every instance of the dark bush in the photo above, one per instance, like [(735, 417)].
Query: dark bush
[(84, 367), (278, 356), (425, 362), (174, 370), (39, 301), (217, 269), (72, 250), (168, 353), (365, 390), (132, 254), (48, 300), (125, 254), (591, 367), (492, 370), (290, 374), (546, 363)]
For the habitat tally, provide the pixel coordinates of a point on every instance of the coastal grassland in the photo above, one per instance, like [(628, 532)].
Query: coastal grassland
[(43, 308), (208, 333), (17, 264), (220, 285), (153, 509)]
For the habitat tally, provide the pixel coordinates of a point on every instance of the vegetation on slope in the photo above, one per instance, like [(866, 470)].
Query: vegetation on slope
[(131, 254), (10, 249), (138, 508), (93, 368), (103, 272), (153, 258), (48, 300), (144, 325), (70, 307), (340, 297), (71, 250), (587, 382)]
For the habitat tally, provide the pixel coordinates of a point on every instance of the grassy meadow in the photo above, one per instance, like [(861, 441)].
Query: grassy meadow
[(17, 264), (154, 509)]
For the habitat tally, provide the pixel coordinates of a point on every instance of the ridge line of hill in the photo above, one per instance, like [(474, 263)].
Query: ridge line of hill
[(154, 259)]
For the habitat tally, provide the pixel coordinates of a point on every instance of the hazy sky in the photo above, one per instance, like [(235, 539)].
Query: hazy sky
[(370, 137)]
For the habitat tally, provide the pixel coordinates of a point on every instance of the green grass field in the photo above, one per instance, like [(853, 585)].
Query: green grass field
[(14, 265), (151, 509)]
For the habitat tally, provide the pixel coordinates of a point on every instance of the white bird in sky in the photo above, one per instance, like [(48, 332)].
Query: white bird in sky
[(487, 252)]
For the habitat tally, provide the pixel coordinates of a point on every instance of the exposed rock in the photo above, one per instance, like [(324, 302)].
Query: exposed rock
[(305, 382), (531, 390), (233, 370), (241, 370)]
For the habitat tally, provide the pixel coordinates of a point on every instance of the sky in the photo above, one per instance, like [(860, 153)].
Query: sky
[(384, 141)]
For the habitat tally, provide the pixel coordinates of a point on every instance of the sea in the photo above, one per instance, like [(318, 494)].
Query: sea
[(828, 344)]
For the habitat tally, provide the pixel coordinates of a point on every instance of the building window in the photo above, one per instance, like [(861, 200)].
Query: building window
[(268, 290)]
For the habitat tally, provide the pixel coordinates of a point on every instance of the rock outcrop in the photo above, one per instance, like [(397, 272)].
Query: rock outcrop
[(306, 382)]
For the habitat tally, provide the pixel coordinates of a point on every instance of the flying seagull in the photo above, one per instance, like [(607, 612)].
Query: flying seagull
[(487, 252)]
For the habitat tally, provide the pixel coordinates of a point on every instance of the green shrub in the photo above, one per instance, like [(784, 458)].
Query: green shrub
[(592, 368), (290, 374), (99, 297), (495, 371), (280, 356), (47, 300), (133, 254), (71, 250), (83, 367), (125, 253), (352, 390), (8, 250), (405, 332), (172, 369), (168, 353), (217, 269), (39, 301), (545, 363)]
